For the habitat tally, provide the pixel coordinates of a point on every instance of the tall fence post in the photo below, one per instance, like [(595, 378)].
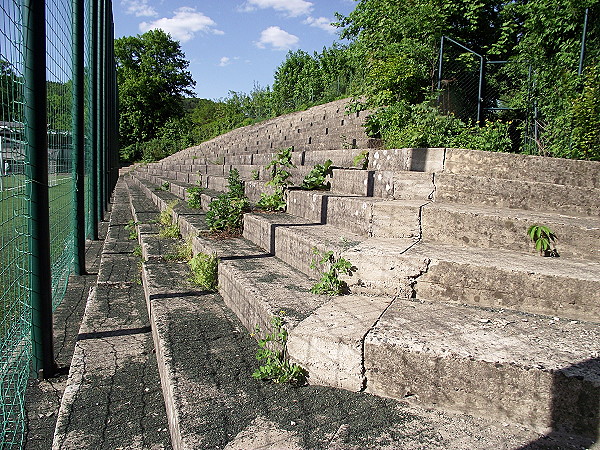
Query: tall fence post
[(94, 117), (100, 109), (78, 141), (36, 134)]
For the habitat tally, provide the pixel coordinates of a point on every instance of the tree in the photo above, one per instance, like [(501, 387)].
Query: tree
[(152, 80)]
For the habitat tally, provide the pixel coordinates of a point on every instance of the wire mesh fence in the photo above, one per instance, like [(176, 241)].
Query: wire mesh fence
[(19, 235)]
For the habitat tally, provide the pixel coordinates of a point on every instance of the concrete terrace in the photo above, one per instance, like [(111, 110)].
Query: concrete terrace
[(456, 333)]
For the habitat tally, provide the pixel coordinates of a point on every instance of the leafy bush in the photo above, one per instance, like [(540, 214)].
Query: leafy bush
[(362, 160), (279, 176), (168, 228), (403, 126), (205, 271), (227, 211), (585, 114), (272, 202), (272, 353), (195, 196), (316, 177)]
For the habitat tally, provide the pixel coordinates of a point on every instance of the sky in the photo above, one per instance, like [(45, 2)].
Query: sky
[(233, 45)]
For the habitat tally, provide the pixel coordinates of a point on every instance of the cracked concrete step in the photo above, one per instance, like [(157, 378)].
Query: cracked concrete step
[(365, 216), (207, 357), (504, 228), (510, 280), (517, 194), (408, 159), (504, 365)]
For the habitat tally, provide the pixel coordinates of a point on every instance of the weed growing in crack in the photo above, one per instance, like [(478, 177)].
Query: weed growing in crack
[(181, 252), (132, 228), (279, 180), (205, 272), (330, 283), (169, 229), (195, 196), (362, 160), (272, 353), (227, 211), (316, 178), (543, 239)]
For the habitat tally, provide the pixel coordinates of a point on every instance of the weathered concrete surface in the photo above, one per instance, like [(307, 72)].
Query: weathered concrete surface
[(408, 159), (329, 343), (506, 229), (508, 366), (517, 194), (43, 397), (113, 396), (552, 286), (509, 166)]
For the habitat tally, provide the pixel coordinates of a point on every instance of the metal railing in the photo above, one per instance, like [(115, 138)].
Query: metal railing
[(58, 164)]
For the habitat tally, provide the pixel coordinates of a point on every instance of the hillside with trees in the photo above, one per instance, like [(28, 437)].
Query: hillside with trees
[(547, 90)]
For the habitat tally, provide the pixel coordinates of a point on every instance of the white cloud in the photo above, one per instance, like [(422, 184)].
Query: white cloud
[(139, 8), (321, 22), (224, 61), (277, 38), (183, 25), (292, 8)]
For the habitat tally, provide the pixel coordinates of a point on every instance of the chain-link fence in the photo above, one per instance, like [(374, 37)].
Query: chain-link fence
[(535, 99), (50, 168)]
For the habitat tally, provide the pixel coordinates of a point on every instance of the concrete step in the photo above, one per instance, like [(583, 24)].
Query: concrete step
[(508, 166), (510, 280), (517, 194), (499, 364), (366, 216), (328, 335), (206, 359), (504, 228), (390, 185)]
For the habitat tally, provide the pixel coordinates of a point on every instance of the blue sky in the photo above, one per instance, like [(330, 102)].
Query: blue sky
[(234, 44)]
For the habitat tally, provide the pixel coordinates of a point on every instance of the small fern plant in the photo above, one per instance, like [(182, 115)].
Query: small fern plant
[(544, 239)]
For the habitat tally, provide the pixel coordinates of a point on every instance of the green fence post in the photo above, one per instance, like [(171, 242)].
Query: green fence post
[(94, 116), (37, 158), (100, 108), (78, 30)]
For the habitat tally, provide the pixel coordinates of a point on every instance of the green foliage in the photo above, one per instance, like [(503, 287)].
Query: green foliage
[(585, 113), (168, 228), (132, 228), (404, 125), (165, 186), (205, 271), (330, 283), (181, 252), (254, 174), (149, 151), (137, 251), (544, 239), (317, 176), (194, 198), (272, 202), (279, 176), (362, 159), (272, 352), (227, 211), (152, 79)]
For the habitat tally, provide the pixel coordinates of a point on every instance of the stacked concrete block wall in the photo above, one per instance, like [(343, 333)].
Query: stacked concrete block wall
[(450, 303)]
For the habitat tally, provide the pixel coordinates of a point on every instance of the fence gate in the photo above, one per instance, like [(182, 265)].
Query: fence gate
[(469, 85)]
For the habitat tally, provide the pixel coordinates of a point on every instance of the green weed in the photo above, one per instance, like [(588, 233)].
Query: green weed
[(330, 283), (317, 176), (132, 228), (204, 269), (543, 239), (272, 353)]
